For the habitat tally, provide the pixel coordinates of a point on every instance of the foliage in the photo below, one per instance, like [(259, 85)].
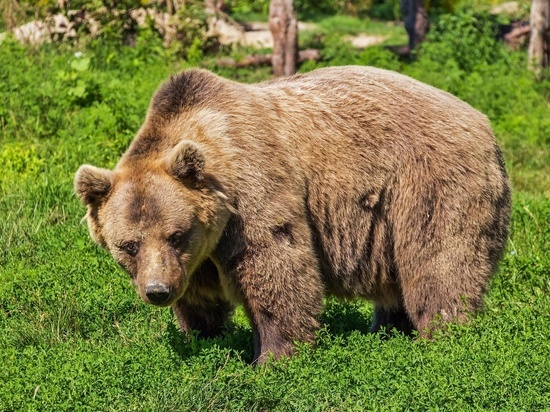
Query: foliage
[(386, 10), (248, 6), (330, 7), (389, 10), (15, 13), (306, 9), (465, 39), (74, 335), (303, 7), (192, 31), (130, 22)]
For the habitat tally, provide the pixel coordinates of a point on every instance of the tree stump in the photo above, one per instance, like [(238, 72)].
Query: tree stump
[(538, 54), (284, 27)]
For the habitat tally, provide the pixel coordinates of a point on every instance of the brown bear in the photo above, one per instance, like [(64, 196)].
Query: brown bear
[(346, 181)]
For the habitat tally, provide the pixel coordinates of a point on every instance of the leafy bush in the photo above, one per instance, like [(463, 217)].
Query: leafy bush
[(329, 7), (19, 162), (15, 13), (386, 10), (464, 40), (192, 31), (143, 24), (248, 6), (304, 8)]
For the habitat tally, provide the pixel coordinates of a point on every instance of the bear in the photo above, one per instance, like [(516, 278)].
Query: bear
[(353, 182)]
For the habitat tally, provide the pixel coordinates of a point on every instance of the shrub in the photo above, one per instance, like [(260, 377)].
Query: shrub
[(463, 40), (248, 6)]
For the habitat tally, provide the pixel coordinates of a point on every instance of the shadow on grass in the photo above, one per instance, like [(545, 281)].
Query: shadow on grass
[(344, 318), (235, 338), (339, 318)]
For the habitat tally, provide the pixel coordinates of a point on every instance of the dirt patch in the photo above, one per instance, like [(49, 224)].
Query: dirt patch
[(363, 40)]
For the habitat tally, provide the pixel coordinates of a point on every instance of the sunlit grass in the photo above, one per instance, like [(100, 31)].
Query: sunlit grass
[(74, 335)]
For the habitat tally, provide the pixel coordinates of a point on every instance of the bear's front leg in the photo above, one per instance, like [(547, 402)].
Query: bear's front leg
[(208, 319), (203, 307), (282, 289)]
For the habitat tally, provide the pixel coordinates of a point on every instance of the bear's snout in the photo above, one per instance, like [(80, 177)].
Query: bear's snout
[(158, 293)]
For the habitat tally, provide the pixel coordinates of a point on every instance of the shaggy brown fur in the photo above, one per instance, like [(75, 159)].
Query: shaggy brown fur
[(351, 181)]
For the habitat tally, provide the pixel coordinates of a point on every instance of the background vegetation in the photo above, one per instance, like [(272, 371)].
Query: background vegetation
[(75, 336)]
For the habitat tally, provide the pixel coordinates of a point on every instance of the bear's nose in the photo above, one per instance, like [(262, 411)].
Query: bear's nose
[(157, 293)]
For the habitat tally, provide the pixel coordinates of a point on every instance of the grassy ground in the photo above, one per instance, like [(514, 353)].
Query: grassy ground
[(75, 336)]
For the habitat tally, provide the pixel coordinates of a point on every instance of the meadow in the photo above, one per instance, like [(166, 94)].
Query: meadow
[(74, 335)]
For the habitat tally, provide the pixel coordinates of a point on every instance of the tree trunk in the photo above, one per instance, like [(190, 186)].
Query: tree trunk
[(210, 6), (13, 14), (416, 21), (284, 27), (539, 45)]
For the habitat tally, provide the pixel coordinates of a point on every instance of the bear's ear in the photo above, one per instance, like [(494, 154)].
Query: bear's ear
[(92, 184), (186, 161)]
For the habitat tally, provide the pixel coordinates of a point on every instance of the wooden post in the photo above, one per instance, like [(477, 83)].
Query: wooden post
[(284, 28), (538, 54), (416, 21)]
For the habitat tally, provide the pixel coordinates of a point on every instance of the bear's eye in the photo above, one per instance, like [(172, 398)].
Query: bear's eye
[(178, 239), (130, 247)]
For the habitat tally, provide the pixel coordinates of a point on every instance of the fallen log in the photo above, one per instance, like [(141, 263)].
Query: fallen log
[(517, 34)]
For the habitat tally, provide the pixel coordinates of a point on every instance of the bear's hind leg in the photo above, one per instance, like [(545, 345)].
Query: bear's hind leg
[(431, 302), (387, 319), (446, 245)]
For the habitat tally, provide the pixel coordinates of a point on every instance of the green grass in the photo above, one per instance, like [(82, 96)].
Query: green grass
[(334, 29), (353, 25), (74, 335)]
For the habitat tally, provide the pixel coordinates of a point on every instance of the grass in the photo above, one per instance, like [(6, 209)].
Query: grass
[(334, 29), (353, 25), (75, 336)]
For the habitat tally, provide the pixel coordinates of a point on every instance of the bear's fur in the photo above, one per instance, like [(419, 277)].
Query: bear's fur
[(349, 181)]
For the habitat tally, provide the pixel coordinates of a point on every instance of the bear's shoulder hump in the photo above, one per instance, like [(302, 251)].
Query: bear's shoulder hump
[(184, 90)]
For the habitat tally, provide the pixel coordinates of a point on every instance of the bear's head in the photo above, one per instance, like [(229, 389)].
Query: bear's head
[(158, 218)]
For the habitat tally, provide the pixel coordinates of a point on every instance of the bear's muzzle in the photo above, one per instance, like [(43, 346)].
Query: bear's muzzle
[(158, 293)]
